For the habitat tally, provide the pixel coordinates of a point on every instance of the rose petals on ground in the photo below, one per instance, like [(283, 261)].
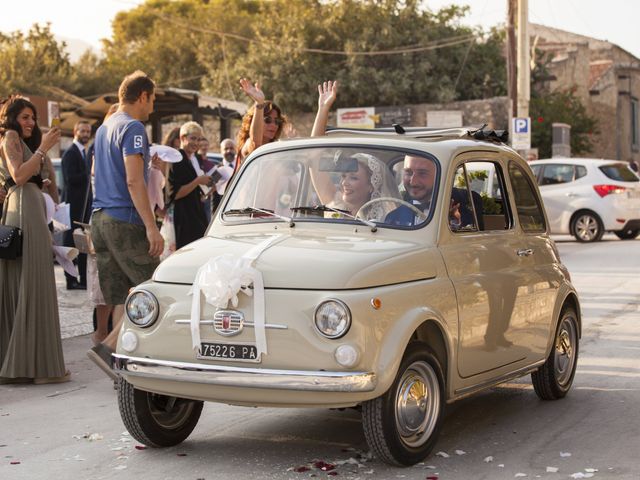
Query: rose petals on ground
[(432, 477), (442, 454), (565, 454), (590, 470), (95, 436), (460, 452), (14, 462), (552, 469), (488, 459), (324, 466), (140, 447), (519, 475), (301, 469)]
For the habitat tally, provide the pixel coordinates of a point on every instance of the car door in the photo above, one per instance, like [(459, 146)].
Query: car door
[(489, 277), (541, 277), (561, 194)]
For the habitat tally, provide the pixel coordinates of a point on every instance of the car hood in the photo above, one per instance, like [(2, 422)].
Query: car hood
[(299, 262)]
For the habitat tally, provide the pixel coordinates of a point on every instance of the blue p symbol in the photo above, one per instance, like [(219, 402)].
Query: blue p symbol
[(522, 125)]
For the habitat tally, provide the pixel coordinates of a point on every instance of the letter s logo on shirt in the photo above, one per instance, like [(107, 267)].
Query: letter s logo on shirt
[(137, 141)]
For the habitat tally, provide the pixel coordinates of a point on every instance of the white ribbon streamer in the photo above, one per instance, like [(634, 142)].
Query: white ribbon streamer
[(221, 279)]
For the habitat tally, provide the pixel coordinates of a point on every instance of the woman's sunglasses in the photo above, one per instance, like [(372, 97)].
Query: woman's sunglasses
[(270, 120)]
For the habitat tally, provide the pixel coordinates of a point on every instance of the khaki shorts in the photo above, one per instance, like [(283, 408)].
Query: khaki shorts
[(122, 251)]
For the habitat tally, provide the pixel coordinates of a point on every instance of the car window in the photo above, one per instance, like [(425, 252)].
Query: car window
[(556, 174), (487, 190), (464, 207), (619, 172), (388, 188), (527, 203), (581, 171)]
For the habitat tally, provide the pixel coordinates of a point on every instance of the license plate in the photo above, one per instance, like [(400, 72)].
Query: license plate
[(228, 351)]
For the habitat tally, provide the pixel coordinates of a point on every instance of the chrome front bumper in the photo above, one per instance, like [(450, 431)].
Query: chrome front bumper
[(302, 380)]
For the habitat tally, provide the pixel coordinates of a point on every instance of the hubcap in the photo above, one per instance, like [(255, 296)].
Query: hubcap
[(169, 412), (565, 356), (417, 404), (587, 227)]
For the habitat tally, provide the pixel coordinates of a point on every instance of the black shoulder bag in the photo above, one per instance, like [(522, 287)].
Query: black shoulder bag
[(10, 237)]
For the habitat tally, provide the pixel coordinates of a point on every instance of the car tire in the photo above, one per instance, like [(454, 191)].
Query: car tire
[(401, 427), (157, 420), (554, 378), (627, 234), (587, 226)]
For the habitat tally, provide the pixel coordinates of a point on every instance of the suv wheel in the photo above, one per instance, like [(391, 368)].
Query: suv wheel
[(553, 379), (401, 426), (157, 420), (627, 234), (586, 226)]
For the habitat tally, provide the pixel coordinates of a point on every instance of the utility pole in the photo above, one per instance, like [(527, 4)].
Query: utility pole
[(518, 74), (524, 60), (512, 84)]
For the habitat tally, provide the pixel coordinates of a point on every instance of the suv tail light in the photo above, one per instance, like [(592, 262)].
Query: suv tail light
[(604, 190)]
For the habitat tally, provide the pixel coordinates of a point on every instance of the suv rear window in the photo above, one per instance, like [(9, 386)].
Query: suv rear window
[(619, 172)]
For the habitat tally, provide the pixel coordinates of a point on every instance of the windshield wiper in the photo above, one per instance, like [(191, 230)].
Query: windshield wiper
[(326, 208), (254, 210)]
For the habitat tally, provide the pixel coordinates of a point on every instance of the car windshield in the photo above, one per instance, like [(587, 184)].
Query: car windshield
[(374, 187), (620, 172)]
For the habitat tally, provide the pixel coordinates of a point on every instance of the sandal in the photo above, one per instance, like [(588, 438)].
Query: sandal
[(44, 380)]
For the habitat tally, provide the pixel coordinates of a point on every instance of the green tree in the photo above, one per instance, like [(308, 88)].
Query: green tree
[(209, 45), (31, 61), (562, 106)]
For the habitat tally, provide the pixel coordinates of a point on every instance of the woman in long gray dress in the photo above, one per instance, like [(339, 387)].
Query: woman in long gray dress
[(30, 344)]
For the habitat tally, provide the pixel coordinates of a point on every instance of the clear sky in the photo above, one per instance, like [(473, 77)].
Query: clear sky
[(90, 20)]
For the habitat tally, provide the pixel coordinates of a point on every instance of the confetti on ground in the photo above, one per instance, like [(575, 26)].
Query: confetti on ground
[(432, 477), (95, 436), (590, 470), (14, 462), (519, 475), (301, 469), (442, 454), (552, 469), (139, 447), (501, 465), (581, 475), (460, 452), (565, 454), (488, 459)]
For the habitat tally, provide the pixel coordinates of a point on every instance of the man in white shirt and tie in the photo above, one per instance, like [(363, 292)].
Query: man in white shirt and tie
[(77, 184)]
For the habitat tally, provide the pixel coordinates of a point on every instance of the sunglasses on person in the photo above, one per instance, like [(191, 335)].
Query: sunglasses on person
[(269, 120)]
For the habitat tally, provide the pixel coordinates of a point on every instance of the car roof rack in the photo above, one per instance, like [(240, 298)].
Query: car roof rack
[(478, 133)]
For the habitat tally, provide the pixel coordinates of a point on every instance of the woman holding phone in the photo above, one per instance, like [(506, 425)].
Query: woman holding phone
[(30, 344)]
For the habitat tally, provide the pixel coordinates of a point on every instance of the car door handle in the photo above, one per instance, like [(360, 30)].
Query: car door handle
[(524, 252)]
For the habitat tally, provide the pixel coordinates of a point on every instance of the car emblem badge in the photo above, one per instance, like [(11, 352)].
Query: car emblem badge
[(228, 322)]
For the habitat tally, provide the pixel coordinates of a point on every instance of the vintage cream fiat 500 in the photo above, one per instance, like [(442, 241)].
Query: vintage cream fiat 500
[(394, 271)]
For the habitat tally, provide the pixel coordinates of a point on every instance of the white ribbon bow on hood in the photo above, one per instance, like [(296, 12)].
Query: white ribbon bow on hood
[(221, 279)]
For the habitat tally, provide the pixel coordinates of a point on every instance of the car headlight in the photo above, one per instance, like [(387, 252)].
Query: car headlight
[(332, 318), (142, 308)]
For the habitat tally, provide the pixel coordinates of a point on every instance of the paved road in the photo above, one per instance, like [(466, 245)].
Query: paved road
[(74, 430)]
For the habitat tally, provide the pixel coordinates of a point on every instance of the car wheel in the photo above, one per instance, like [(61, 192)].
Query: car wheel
[(587, 227), (157, 420), (553, 379), (401, 426), (627, 234)]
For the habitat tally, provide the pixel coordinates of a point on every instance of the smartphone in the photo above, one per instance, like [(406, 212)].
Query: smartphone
[(55, 122), (215, 176)]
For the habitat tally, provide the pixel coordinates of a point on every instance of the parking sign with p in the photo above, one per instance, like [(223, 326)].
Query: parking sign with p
[(521, 133)]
